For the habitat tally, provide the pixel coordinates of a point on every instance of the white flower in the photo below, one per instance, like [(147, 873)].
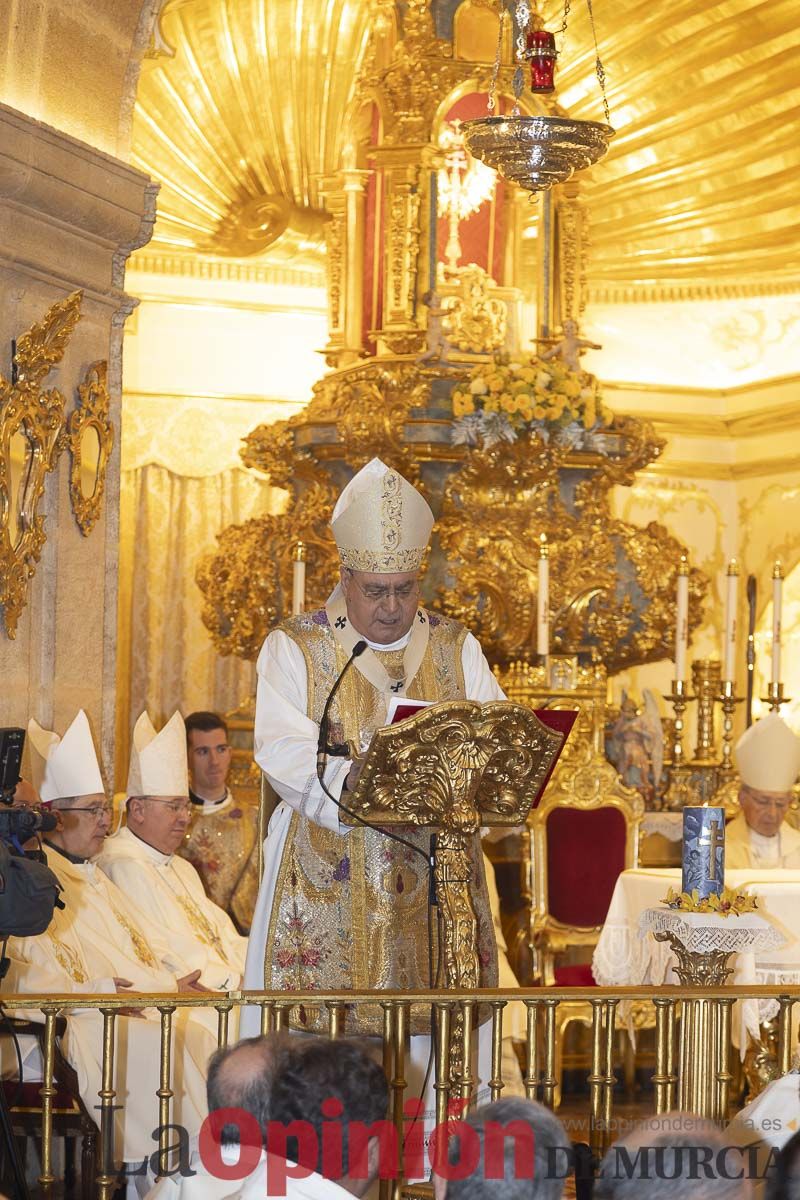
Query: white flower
[(543, 379), (467, 430), (496, 427), (478, 387)]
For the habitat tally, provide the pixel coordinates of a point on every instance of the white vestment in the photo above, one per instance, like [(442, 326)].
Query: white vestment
[(204, 1184), (94, 939), (285, 741), (169, 891), (311, 1187), (745, 848)]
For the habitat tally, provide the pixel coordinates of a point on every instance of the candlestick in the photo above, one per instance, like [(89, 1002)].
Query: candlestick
[(543, 600), (728, 700), (777, 603), (706, 684), (682, 618), (775, 697), (678, 698), (298, 578), (703, 850), (731, 601)]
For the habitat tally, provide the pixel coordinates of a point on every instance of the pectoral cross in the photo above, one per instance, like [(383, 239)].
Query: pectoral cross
[(714, 840)]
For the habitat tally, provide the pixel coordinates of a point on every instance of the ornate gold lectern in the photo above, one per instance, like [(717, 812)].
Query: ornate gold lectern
[(457, 766)]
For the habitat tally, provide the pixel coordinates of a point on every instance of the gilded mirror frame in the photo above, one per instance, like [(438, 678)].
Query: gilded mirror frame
[(39, 416), (91, 413)]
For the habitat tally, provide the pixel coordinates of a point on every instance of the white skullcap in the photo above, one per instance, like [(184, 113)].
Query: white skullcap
[(381, 523), (768, 755), (65, 766), (158, 760)]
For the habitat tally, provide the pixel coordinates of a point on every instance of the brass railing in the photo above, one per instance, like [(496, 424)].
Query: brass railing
[(539, 1075)]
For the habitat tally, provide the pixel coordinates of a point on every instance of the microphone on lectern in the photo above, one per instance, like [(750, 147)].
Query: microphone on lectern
[(340, 750)]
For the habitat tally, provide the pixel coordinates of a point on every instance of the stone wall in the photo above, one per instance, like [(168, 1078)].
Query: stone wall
[(69, 217)]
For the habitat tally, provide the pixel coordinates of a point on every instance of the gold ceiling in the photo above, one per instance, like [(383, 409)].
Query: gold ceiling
[(698, 194)]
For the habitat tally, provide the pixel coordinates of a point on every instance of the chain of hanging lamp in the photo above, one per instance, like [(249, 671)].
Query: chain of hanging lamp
[(536, 152)]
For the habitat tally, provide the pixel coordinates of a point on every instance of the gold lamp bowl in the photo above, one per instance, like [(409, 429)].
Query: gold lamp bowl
[(536, 152)]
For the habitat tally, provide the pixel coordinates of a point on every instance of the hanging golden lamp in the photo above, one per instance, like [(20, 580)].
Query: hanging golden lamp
[(540, 151)]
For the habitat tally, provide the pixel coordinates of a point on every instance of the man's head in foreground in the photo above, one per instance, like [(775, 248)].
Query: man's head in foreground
[(325, 1096), (510, 1150), (679, 1156), (240, 1077)]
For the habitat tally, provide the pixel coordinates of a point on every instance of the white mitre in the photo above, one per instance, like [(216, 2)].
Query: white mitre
[(159, 764), (768, 755), (66, 766), (381, 523)]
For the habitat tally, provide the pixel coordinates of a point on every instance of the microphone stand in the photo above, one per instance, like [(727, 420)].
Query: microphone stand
[(323, 750)]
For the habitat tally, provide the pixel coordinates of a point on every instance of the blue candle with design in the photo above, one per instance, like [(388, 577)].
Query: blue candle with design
[(703, 850)]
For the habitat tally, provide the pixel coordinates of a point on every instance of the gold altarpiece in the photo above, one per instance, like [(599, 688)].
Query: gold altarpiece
[(405, 329)]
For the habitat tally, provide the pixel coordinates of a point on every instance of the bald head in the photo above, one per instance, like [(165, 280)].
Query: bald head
[(240, 1077)]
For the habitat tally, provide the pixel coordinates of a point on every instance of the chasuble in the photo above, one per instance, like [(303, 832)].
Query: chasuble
[(343, 907)]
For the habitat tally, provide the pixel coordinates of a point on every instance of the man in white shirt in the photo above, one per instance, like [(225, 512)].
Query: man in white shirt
[(768, 759), (141, 859), (101, 943)]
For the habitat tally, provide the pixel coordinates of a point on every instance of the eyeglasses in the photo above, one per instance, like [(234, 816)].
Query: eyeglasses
[(178, 808), (97, 810), (376, 594)]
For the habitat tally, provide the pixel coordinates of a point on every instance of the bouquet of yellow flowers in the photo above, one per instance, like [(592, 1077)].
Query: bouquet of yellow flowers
[(506, 398), (729, 902)]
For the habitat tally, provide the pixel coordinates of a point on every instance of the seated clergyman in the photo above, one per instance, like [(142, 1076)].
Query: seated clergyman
[(141, 859), (768, 759), (100, 942)]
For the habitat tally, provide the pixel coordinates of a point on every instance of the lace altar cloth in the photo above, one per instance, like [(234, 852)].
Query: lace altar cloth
[(702, 933), (668, 824), (626, 956)]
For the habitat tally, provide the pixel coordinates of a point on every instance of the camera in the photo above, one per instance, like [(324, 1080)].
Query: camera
[(28, 889)]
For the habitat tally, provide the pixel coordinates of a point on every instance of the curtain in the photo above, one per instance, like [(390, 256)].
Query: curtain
[(166, 659)]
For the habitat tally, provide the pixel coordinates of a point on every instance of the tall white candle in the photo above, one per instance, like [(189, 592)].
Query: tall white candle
[(299, 579), (682, 619), (731, 601), (543, 600), (777, 602)]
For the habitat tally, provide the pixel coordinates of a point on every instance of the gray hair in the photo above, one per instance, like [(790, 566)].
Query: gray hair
[(674, 1156), (546, 1162)]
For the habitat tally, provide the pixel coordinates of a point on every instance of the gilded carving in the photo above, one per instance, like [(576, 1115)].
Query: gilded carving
[(91, 440), (494, 510), (475, 321), (31, 440), (459, 765)]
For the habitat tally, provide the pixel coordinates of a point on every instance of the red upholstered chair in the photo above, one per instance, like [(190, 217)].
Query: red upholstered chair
[(580, 843)]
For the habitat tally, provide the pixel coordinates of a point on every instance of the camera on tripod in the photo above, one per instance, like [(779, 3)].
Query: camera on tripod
[(28, 889), (17, 825)]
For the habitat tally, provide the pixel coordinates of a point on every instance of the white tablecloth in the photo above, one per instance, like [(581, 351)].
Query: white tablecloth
[(624, 958)]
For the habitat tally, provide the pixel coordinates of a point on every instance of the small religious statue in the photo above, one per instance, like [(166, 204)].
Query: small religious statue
[(570, 347), (635, 745), (475, 320), (437, 342)]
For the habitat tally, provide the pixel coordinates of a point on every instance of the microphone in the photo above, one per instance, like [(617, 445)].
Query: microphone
[(340, 749), (323, 750)]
